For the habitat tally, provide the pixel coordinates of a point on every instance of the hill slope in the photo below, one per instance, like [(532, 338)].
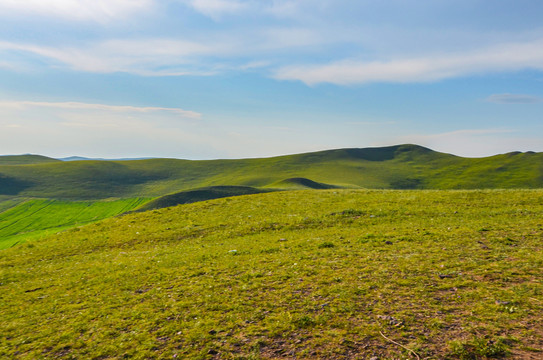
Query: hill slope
[(328, 274), (395, 167), (25, 159)]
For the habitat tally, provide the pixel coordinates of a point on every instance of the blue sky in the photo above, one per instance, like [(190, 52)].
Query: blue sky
[(203, 79)]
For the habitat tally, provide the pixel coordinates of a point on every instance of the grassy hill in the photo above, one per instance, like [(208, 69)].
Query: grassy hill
[(395, 167), (25, 159), (328, 274)]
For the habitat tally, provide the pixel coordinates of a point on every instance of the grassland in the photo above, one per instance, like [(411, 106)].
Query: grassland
[(325, 274), (395, 167), (31, 219)]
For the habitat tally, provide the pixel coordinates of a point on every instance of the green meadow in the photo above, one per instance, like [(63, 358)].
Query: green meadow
[(313, 274), (30, 219)]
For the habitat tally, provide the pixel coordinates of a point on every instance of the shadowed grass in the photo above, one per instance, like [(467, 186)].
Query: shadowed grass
[(202, 194)]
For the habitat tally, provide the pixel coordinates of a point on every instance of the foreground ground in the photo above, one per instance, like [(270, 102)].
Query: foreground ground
[(324, 274)]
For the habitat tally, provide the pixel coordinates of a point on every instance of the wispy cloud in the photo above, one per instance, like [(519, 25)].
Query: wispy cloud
[(217, 8), (148, 57), (93, 10), (505, 57), (100, 107), (168, 56), (514, 99)]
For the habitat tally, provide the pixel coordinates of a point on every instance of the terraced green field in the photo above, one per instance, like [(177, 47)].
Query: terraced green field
[(327, 274), (32, 219)]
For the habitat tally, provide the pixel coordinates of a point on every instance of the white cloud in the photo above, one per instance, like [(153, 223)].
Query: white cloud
[(93, 10), (159, 57), (505, 57), (99, 107), (217, 8), (514, 99)]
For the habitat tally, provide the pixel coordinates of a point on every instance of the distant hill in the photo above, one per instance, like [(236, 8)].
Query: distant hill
[(393, 167), (81, 158), (25, 159)]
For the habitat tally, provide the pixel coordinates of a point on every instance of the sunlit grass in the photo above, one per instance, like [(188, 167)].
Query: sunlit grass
[(304, 274)]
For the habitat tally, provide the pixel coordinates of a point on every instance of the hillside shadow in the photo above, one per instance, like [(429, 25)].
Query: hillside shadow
[(12, 186)]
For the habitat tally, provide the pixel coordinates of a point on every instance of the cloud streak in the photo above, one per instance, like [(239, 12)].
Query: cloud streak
[(514, 99), (217, 8), (504, 57), (146, 57), (99, 107), (76, 10)]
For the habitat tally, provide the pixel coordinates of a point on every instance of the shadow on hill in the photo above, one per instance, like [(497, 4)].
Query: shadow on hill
[(12, 186), (389, 152), (202, 194), (301, 183)]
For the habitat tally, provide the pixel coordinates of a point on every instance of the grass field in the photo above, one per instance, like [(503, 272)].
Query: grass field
[(327, 274), (31, 219)]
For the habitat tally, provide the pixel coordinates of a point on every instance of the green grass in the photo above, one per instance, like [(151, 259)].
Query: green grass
[(322, 274), (36, 218), (395, 167)]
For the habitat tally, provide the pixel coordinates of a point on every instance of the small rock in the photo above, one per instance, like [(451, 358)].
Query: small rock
[(391, 320), (388, 242), (282, 239)]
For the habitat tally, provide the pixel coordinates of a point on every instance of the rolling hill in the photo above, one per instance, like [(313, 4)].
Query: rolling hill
[(394, 167)]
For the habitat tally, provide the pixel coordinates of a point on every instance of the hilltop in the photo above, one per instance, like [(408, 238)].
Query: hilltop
[(394, 167)]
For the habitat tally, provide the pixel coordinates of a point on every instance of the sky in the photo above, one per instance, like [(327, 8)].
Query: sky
[(206, 79)]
